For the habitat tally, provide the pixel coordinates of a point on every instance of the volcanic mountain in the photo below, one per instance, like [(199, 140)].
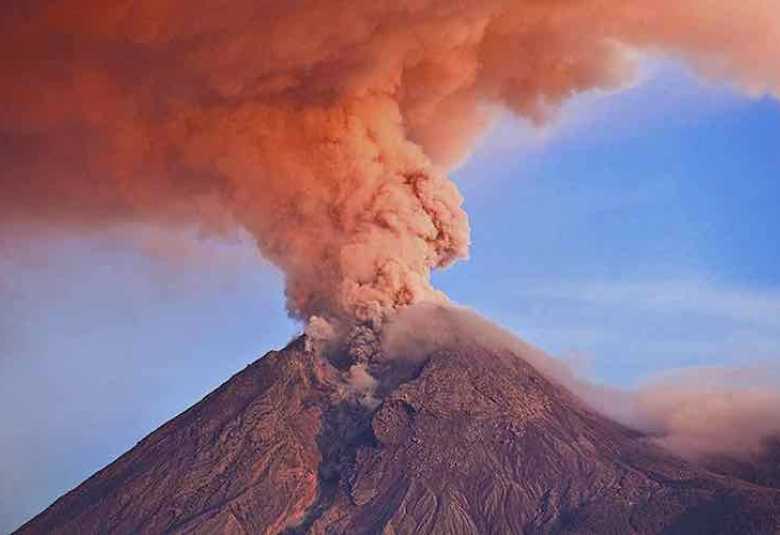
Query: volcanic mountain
[(462, 439)]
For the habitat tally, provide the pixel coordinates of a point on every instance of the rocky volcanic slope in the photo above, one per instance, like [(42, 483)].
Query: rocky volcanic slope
[(469, 442)]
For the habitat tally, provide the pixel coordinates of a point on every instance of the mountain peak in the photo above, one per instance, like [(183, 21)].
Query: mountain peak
[(464, 440)]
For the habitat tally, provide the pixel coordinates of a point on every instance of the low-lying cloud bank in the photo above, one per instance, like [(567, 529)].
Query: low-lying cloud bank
[(696, 413), (709, 411)]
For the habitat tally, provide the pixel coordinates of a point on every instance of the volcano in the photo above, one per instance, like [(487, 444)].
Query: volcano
[(463, 440)]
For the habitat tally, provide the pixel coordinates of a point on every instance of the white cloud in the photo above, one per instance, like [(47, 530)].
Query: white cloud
[(745, 306), (629, 329)]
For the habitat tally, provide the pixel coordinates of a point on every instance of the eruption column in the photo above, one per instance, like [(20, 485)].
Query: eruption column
[(324, 127)]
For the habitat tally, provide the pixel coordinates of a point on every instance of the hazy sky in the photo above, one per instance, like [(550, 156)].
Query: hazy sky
[(635, 235)]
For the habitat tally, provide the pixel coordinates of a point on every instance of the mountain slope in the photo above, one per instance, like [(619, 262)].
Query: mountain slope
[(245, 457), (465, 441)]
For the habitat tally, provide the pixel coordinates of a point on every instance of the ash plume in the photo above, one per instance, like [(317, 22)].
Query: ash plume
[(699, 413), (325, 128), (712, 411)]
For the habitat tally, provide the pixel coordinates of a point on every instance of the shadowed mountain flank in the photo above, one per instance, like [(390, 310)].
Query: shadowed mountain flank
[(761, 467), (465, 441)]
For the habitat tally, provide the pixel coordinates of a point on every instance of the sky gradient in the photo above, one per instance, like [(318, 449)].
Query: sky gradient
[(635, 235)]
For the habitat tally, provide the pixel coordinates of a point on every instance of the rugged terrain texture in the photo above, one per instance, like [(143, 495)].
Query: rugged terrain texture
[(466, 441)]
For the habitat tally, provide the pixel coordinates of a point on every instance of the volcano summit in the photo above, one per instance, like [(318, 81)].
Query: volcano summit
[(457, 439)]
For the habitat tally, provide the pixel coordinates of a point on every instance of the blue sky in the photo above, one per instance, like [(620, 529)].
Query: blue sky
[(635, 235)]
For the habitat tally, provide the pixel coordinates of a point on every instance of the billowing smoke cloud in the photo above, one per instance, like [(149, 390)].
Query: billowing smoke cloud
[(699, 413), (325, 128)]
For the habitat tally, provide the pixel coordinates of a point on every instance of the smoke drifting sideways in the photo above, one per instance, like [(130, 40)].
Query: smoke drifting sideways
[(701, 414), (324, 128)]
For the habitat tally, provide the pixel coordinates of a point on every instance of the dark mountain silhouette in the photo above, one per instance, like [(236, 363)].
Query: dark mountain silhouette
[(467, 440), (761, 468)]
